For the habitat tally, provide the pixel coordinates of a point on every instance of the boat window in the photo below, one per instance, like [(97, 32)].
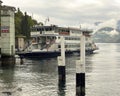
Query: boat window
[(33, 39), (56, 30), (35, 46), (50, 29), (46, 29), (37, 29), (42, 29), (86, 38), (59, 46), (55, 37), (66, 46), (66, 38), (40, 32), (33, 29)]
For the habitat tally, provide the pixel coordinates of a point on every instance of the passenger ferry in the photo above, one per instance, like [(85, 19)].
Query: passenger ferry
[(46, 41)]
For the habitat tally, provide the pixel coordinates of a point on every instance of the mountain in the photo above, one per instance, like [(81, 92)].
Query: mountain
[(107, 32)]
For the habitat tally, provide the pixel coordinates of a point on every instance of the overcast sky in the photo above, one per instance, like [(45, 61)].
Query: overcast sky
[(69, 12)]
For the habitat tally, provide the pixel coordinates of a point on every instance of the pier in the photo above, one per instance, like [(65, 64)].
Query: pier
[(62, 65), (80, 67)]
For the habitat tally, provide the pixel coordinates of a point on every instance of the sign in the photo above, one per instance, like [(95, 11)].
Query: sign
[(4, 29), (64, 33)]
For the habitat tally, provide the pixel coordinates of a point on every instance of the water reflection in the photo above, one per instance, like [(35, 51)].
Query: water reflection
[(40, 77), (88, 63), (42, 66), (7, 85), (61, 88), (104, 72)]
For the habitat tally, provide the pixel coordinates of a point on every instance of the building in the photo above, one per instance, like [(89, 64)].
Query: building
[(20, 43), (7, 32)]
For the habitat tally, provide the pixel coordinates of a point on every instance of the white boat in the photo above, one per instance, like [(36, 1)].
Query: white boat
[(46, 41)]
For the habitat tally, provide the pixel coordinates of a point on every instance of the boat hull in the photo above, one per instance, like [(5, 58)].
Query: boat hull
[(49, 54)]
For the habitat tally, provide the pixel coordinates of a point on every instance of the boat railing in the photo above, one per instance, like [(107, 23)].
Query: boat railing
[(48, 44), (27, 45)]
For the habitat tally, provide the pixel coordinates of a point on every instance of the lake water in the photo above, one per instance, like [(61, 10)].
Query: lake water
[(40, 77)]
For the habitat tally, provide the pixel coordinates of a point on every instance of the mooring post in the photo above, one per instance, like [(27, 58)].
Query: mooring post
[(80, 69), (61, 64), (21, 60)]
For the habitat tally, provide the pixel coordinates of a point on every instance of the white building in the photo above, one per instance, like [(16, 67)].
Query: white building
[(7, 33)]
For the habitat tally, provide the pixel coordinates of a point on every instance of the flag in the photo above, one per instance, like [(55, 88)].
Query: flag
[(47, 20)]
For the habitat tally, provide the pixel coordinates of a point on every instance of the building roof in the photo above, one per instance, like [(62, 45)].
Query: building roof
[(5, 7)]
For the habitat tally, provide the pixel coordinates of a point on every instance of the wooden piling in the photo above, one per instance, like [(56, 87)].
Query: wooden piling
[(80, 69), (61, 64)]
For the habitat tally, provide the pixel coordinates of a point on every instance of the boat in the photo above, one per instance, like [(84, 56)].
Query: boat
[(46, 40)]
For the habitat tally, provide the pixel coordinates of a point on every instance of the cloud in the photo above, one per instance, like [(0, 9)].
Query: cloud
[(69, 12), (110, 23), (113, 33)]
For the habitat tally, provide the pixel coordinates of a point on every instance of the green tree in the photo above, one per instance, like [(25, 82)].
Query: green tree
[(18, 18), (25, 26), (23, 23)]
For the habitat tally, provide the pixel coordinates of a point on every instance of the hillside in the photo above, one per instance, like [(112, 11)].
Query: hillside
[(107, 32)]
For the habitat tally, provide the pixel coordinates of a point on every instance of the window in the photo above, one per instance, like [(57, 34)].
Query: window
[(59, 46)]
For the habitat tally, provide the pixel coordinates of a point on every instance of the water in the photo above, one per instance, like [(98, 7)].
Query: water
[(40, 78)]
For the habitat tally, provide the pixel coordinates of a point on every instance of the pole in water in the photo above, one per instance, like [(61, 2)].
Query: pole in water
[(80, 69), (61, 64), (21, 60)]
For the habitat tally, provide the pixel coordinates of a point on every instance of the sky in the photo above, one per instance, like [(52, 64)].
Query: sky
[(69, 12)]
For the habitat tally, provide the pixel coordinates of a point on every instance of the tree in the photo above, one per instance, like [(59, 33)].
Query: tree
[(18, 18), (25, 28), (23, 23)]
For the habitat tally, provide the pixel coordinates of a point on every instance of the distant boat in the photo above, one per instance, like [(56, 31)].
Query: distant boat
[(45, 41)]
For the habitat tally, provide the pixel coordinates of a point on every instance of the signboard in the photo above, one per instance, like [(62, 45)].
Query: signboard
[(4, 29), (64, 33)]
